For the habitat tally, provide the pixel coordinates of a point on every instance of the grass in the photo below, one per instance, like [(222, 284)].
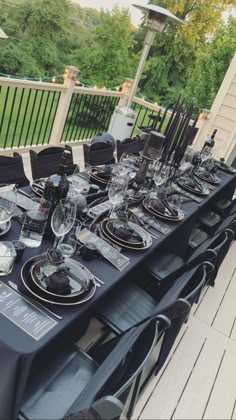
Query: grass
[(27, 116)]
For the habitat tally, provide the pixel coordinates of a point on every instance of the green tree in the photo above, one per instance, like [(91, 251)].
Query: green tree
[(174, 51), (107, 58), (211, 65)]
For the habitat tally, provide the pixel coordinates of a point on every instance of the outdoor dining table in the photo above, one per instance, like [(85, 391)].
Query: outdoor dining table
[(19, 350)]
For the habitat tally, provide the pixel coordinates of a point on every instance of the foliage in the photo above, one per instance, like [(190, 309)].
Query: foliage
[(174, 52), (211, 65), (45, 35), (107, 58)]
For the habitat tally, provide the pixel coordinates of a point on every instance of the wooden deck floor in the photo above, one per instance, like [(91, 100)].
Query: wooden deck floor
[(198, 380)]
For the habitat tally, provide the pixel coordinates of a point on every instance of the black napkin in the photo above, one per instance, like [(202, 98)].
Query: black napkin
[(58, 283), (126, 233)]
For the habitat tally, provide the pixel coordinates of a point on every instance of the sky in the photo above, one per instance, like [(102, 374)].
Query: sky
[(108, 4)]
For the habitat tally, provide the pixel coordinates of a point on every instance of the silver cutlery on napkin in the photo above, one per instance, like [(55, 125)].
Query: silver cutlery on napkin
[(32, 300)]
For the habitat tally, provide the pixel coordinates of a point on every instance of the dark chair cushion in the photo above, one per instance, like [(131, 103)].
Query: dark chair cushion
[(197, 237), (222, 206), (126, 307), (162, 265), (46, 162), (12, 170), (210, 221)]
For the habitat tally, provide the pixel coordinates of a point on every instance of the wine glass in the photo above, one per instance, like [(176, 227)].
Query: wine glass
[(125, 166), (117, 191), (8, 199), (63, 218), (80, 182), (160, 175)]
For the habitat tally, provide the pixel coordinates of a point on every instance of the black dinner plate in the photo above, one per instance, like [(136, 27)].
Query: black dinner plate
[(117, 228), (75, 268), (224, 167), (150, 209), (41, 295), (203, 192), (208, 177), (147, 239)]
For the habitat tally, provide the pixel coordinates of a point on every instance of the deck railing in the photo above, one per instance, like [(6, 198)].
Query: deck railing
[(36, 114)]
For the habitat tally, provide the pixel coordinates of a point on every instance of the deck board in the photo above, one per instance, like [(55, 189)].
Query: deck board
[(199, 379)]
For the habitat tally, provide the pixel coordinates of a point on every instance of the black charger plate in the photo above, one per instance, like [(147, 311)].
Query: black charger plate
[(147, 239), (43, 296)]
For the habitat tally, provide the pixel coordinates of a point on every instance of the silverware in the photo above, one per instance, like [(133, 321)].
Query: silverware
[(145, 226), (30, 299), (99, 280)]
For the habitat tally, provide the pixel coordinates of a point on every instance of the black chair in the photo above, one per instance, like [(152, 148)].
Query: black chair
[(129, 146), (46, 162), (129, 304), (12, 170), (197, 237), (209, 221), (106, 408), (68, 380), (98, 153), (166, 267), (175, 305), (222, 206)]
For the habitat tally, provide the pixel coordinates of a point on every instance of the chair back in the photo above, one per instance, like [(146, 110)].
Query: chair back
[(177, 312), (46, 162), (191, 292), (98, 153), (120, 373), (12, 170), (129, 146)]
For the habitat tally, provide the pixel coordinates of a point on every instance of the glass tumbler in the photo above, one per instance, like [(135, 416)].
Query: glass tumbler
[(34, 224)]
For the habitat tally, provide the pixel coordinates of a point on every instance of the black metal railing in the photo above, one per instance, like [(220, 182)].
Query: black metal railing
[(143, 116), (87, 116), (26, 116)]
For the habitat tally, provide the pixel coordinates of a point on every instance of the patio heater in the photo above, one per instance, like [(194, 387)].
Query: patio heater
[(123, 119)]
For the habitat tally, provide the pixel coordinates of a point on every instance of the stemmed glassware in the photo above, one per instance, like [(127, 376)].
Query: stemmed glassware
[(160, 175), (80, 182), (8, 200), (63, 218), (126, 166), (117, 191)]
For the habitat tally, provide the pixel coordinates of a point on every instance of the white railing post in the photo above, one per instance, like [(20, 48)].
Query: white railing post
[(63, 105), (126, 88)]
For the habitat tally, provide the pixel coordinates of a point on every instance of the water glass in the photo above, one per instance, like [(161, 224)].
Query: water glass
[(68, 243), (35, 220), (7, 258)]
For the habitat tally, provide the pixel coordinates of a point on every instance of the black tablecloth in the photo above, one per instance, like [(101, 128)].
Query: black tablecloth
[(18, 350)]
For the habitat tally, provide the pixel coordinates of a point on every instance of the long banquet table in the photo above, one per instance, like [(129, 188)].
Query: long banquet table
[(18, 350)]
